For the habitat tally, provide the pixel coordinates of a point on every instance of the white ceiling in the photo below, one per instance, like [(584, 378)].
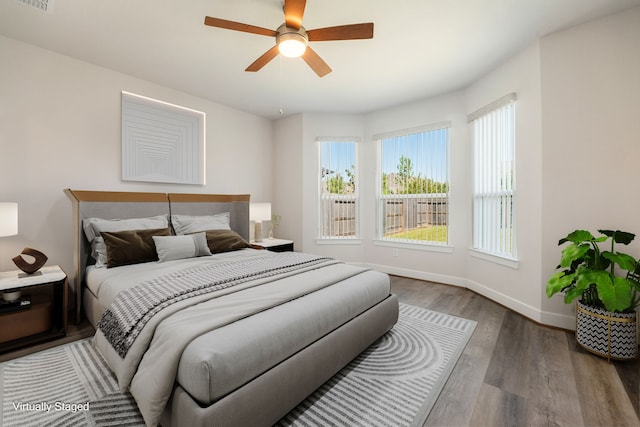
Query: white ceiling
[(420, 48)]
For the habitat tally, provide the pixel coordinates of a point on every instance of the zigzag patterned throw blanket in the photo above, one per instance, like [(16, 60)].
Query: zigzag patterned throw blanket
[(134, 307)]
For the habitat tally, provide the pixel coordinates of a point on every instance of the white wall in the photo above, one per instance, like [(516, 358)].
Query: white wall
[(296, 178), (60, 128), (440, 266), (590, 134), (287, 179), (517, 288), (302, 147), (326, 125), (578, 101)]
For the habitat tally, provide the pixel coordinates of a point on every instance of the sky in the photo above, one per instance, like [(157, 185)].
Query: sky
[(428, 151)]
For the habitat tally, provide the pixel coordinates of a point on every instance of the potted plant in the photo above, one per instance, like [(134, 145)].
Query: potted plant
[(607, 283)]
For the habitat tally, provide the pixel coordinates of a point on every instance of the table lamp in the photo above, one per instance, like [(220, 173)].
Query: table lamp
[(8, 219), (9, 227)]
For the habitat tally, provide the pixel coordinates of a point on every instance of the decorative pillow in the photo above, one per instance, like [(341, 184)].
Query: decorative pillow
[(179, 247), (188, 224), (94, 226), (132, 246), (225, 241)]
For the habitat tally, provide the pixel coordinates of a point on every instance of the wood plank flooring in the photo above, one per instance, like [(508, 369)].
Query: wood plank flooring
[(515, 372), (74, 333)]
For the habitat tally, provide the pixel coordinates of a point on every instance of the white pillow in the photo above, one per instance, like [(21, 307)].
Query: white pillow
[(94, 226), (179, 247), (187, 224)]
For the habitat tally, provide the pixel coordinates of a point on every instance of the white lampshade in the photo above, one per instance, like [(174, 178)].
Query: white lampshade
[(260, 211), (8, 219)]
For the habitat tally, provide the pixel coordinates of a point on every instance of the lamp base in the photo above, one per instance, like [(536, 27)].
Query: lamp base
[(11, 296), (23, 275)]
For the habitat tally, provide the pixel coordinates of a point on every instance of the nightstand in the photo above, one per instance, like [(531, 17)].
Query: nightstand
[(276, 245), (44, 318)]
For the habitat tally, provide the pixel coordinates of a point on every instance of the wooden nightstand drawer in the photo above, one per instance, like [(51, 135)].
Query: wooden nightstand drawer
[(34, 320), (45, 319)]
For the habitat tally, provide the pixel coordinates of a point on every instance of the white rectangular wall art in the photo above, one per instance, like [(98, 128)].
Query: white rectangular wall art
[(162, 142)]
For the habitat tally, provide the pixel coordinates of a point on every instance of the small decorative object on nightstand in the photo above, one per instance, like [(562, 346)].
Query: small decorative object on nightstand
[(39, 259), (277, 245), (38, 313), (259, 212), (275, 221)]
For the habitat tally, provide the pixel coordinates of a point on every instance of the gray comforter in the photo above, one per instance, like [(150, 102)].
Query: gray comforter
[(149, 367)]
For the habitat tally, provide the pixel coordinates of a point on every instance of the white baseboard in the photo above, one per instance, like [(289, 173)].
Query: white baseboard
[(416, 274), (542, 317), (505, 300), (558, 320)]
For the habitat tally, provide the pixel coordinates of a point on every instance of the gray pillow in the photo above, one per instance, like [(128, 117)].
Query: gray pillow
[(187, 224), (170, 248)]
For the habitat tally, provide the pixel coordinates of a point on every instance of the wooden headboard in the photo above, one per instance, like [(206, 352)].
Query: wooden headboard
[(123, 205)]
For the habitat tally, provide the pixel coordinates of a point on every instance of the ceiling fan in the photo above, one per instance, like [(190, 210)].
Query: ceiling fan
[(292, 39)]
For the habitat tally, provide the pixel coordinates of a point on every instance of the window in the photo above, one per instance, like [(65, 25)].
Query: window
[(494, 177), (413, 201), (338, 189)]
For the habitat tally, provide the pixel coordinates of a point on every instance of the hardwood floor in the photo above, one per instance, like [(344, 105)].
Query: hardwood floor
[(74, 332), (515, 372)]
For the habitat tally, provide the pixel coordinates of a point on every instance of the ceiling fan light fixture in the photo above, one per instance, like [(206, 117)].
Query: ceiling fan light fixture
[(292, 43), (292, 48)]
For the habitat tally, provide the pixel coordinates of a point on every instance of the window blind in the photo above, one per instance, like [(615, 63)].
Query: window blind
[(338, 212), (494, 178), (413, 191)]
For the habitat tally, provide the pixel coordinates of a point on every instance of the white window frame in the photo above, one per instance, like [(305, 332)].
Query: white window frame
[(432, 245), (322, 196), (494, 180)]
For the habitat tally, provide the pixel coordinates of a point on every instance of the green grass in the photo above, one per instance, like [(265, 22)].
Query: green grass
[(430, 233)]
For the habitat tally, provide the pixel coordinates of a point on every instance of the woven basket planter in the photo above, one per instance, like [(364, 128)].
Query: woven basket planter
[(612, 335)]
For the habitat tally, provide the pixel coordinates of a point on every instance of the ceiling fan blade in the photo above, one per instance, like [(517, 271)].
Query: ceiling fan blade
[(342, 32), (231, 25), (264, 59), (293, 12), (316, 63)]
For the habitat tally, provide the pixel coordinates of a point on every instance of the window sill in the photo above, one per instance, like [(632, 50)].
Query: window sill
[(418, 246), (507, 262), (344, 241)]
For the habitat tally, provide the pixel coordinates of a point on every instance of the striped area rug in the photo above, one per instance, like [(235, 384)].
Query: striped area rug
[(53, 387), (395, 382)]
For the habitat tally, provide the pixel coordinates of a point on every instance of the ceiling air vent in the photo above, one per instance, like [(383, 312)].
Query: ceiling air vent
[(41, 5)]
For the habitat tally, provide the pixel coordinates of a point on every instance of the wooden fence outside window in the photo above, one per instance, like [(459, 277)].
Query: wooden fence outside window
[(401, 214)]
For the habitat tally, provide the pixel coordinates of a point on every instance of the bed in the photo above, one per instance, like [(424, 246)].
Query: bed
[(227, 334)]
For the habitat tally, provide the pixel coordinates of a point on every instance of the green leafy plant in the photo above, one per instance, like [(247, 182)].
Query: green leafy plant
[(590, 273)]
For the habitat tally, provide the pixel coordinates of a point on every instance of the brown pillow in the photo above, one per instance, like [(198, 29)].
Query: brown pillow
[(132, 246), (225, 241)]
